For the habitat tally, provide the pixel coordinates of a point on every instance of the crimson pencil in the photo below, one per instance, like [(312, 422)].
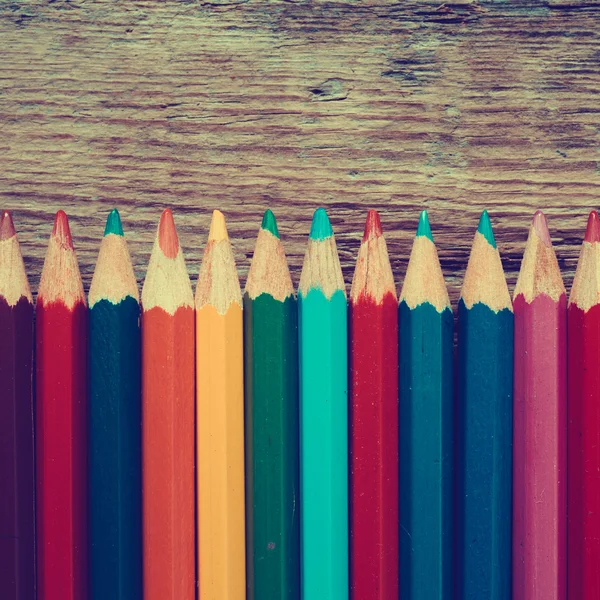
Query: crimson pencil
[(583, 553), (539, 423), (373, 421), (61, 355), (17, 549)]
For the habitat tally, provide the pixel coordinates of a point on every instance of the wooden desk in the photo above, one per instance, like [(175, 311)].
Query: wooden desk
[(241, 105)]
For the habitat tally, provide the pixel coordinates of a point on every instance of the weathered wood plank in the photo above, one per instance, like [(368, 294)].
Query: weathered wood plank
[(242, 105)]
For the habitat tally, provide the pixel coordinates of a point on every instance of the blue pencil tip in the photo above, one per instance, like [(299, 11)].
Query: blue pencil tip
[(321, 227)]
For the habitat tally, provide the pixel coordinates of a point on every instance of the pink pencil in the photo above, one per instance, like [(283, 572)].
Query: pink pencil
[(540, 423)]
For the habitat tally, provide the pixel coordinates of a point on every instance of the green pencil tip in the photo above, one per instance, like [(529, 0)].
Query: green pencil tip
[(485, 229), (113, 223), (321, 227), (269, 223), (424, 229)]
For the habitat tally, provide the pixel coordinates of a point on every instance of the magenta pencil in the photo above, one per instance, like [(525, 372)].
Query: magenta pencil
[(540, 423)]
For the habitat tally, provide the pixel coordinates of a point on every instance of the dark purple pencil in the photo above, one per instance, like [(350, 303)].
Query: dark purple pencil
[(17, 523)]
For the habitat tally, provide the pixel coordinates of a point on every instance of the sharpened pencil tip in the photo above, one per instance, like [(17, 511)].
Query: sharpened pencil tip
[(540, 224), (218, 228), (485, 229), (269, 223), (167, 234), (592, 233), (372, 226), (424, 229), (321, 227), (113, 223), (61, 230), (7, 228)]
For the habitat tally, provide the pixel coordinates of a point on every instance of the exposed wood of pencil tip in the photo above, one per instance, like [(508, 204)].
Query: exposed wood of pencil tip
[(113, 278), (424, 280), (540, 273), (269, 272), (321, 269), (167, 284), (218, 282), (585, 292), (13, 277), (484, 280), (61, 280), (373, 277)]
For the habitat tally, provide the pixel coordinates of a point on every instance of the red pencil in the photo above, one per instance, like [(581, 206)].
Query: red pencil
[(583, 554), (373, 421), (61, 342), (17, 548), (540, 423)]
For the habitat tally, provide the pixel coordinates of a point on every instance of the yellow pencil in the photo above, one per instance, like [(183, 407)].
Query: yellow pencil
[(220, 421)]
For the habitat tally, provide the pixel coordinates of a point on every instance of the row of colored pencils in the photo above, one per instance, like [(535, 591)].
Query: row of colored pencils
[(273, 448)]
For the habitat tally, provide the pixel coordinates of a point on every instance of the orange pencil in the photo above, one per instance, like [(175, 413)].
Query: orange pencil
[(168, 421)]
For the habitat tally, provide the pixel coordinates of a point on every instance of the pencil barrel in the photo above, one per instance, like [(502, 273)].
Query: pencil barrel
[(272, 469), (115, 484), (426, 452)]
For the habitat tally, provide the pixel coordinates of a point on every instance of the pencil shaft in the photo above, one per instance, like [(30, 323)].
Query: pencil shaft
[(426, 452), (61, 451), (272, 478), (168, 454), (374, 449), (484, 452), (115, 522), (583, 458), (324, 445), (17, 549), (220, 451), (539, 449)]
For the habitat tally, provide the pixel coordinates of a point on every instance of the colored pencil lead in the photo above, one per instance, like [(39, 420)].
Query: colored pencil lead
[(167, 234), (269, 223), (592, 232), (113, 223), (61, 230), (424, 229), (7, 228), (320, 227), (485, 229), (218, 228), (372, 226)]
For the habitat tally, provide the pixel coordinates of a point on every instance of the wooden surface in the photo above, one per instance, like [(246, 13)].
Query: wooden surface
[(242, 105)]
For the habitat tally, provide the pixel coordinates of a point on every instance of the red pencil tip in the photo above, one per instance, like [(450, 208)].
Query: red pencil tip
[(592, 233), (167, 234), (541, 227), (61, 230), (7, 228), (372, 226)]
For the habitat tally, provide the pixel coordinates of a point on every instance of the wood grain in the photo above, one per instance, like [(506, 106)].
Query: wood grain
[(242, 105)]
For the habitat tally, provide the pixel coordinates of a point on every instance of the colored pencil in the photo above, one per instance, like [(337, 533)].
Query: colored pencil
[(220, 419), (373, 319), (484, 425), (168, 413), (17, 544), (61, 422), (426, 425), (114, 459), (584, 421), (540, 423), (271, 370), (323, 337)]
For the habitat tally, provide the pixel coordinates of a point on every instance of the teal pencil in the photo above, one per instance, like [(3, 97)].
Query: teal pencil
[(324, 417), (426, 425)]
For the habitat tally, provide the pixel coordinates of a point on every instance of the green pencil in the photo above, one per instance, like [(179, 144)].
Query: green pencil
[(323, 339), (271, 371), (115, 526), (426, 425)]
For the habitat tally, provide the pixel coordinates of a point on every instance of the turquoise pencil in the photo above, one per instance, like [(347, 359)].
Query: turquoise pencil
[(324, 417)]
